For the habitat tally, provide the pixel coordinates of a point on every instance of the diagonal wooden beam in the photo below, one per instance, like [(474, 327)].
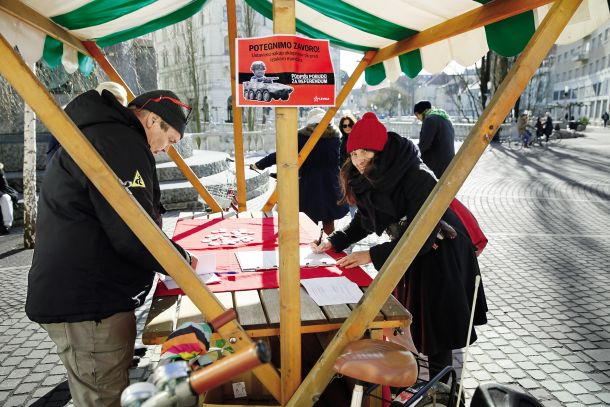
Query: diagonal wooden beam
[(30, 16), (438, 201), (100, 58), (238, 136), (317, 133), (107, 183), (489, 13)]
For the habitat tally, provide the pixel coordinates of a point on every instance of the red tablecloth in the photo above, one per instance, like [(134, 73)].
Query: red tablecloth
[(190, 232)]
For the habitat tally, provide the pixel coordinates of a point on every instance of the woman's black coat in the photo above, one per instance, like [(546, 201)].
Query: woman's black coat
[(319, 189), (438, 287)]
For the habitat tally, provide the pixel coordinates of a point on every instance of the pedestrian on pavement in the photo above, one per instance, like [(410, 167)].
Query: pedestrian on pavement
[(605, 118), (436, 138), (345, 126), (522, 128), (539, 129), (388, 181), (115, 88), (90, 272), (8, 198), (319, 189), (548, 126)]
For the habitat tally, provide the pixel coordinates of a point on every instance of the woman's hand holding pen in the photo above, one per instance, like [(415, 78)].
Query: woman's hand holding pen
[(321, 246)]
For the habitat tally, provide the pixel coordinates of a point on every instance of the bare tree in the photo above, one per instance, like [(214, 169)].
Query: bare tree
[(29, 175)]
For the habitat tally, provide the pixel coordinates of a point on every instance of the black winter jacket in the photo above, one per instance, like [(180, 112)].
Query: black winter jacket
[(88, 265), (436, 143), (319, 189)]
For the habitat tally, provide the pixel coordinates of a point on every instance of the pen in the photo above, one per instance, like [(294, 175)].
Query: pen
[(227, 272), (320, 238)]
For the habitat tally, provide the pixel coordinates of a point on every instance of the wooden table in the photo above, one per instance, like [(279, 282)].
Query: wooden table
[(258, 311)]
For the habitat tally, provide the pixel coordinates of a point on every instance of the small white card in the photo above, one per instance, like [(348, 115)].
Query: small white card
[(332, 290), (268, 259), (206, 267)]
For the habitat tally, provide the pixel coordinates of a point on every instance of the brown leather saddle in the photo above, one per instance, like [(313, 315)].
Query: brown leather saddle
[(379, 362)]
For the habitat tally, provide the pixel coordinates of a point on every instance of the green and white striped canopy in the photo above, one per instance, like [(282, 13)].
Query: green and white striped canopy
[(362, 25), (105, 21)]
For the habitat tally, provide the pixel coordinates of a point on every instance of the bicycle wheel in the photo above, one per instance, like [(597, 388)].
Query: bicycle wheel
[(515, 143), (554, 137), (438, 396)]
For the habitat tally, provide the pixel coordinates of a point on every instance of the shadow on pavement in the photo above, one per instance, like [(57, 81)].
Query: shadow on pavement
[(59, 396)]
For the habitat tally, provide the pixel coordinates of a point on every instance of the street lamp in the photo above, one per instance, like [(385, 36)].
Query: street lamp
[(399, 105)]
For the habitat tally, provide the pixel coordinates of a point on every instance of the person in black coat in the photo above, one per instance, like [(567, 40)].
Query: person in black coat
[(436, 138), (8, 198), (89, 271), (346, 123), (319, 189), (389, 183), (548, 126)]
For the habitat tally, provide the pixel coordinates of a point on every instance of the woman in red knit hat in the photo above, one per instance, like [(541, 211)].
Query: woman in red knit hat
[(388, 182)]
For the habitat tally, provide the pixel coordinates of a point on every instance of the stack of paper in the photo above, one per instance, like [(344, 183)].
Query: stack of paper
[(332, 290), (268, 260)]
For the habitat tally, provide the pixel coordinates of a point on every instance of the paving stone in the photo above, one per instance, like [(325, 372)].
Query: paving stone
[(26, 388), (551, 385), (604, 397), (9, 384), (15, 401), (587, 399), (574, 388)]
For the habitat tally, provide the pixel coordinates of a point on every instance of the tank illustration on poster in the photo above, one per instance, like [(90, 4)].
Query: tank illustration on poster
[(263, 88)]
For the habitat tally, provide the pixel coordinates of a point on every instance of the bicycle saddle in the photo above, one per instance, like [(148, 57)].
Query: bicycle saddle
[(379, 362)]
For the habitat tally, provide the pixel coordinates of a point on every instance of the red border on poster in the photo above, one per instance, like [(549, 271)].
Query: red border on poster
[(284, 70)]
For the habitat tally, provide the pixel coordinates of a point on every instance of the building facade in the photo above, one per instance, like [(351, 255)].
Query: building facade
[(580, 77)]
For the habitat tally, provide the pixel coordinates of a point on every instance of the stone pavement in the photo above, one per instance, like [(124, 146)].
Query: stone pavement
[(546, 271)]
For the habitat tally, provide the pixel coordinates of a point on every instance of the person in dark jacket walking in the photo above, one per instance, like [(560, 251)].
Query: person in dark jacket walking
[(436, 138), (319, 189), (90, 272), (8, 198), (389, 183), (548, 126)]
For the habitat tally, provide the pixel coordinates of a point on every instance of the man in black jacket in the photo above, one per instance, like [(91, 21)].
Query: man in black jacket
[(89, 270), (436, 138)]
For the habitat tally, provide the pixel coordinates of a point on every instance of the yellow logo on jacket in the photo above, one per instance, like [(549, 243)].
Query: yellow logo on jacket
[(138, 181)]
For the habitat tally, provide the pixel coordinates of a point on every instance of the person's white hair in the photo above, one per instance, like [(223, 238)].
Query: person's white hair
[(315, 115), (116, 89)]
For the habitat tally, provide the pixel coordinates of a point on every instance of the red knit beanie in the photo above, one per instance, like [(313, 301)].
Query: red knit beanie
[(368, 133)]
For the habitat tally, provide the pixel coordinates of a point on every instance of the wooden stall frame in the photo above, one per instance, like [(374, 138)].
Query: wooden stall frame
[(238, 136), (479, 17), (101, 175), (284, 22), (90, 48), (440, 197)]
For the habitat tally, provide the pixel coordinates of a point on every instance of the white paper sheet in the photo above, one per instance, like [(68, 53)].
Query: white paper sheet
[(332, 290), (268, 260), (206, 267)]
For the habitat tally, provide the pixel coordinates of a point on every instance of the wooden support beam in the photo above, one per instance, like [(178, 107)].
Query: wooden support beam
[(479, 17), (284, 22), (238, 136), (30, 16), (97, 54), (317, 133), (438, 201), (101, 175)]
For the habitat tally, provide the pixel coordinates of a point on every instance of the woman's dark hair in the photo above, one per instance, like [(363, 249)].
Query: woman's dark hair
[(349, 117), (349, 172)]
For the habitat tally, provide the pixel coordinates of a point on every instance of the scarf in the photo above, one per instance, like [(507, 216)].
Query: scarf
[(374, 191), (438, 112)]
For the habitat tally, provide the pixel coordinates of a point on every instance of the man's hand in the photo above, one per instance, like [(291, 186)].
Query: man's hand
[(324, 246), (355, 259)]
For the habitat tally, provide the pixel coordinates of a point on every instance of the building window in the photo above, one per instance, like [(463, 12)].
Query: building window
[(165, 58), (226, 44), (559, 58)]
